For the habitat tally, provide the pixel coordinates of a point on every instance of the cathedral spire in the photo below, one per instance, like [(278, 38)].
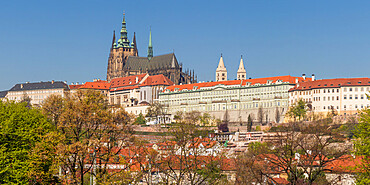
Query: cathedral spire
[(114, 39), (241, 73), (150, 47), (123, 40), (133, 44)]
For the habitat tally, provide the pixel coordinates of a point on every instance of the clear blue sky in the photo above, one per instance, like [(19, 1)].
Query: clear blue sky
[(70, 40)]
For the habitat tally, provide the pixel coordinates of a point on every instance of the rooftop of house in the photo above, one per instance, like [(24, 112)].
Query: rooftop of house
[(98, 84), (39, 85), (3, 94), (77, 86), (331, 83), (136, 81)]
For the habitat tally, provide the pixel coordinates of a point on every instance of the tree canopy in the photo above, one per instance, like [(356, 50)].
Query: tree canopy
[(362, 146), (27, 144)]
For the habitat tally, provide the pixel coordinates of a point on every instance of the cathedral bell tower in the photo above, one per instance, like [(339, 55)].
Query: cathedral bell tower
[(221, 72), (241, 73), (119, 53)]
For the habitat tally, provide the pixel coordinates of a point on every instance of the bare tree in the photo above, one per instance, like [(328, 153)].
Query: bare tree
[(93, 134), (300, 151)]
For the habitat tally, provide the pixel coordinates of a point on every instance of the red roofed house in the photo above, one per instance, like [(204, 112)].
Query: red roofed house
[(345, 95), (74, 87), (239, 97), (98, 85), (136, 92)]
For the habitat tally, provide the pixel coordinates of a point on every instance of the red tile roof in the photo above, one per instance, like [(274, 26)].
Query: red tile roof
[(126, 81), (157, 80), (345, 164), (129, 82), (75, 86), (287, 78), (100, 84), (331, 83)]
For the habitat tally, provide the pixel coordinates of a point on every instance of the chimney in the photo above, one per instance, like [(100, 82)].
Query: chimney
[(304, 76), (313, 77), (296, 80), (72, 83), (52, 82), (137, 80), (95, 80), (21, 86)]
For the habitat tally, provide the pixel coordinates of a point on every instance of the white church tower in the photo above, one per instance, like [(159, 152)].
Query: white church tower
[(242, 73), (221, 72)]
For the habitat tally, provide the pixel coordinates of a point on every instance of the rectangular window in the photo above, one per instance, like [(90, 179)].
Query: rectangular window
[(356, 97), (345, 97), (350, 97)]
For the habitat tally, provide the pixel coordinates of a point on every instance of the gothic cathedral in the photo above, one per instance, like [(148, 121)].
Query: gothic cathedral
[(124, 61)]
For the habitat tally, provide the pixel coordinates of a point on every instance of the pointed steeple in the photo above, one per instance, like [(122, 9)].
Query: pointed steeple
[(133, 44), (241, 73), (150, 46), (114, 39), (221, 72), (173, 65), (123, 40)]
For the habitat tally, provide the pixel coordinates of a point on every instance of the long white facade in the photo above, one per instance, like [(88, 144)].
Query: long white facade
[(239, 98)]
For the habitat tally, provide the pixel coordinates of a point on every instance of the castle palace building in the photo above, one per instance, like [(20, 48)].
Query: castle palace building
[(124, 61)]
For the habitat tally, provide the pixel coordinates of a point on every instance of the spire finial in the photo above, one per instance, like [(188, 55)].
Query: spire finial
[(241, 56), (123, 40), (221, 54)]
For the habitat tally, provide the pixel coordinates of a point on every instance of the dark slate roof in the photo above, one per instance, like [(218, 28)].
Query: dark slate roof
[(39, 85), (143, 63), (3, 94)]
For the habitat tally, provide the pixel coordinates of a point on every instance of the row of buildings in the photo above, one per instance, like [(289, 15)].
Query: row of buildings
[(235, 99), (270, 96), (135, 93)]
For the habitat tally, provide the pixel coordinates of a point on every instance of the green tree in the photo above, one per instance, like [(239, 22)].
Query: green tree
[(140, 119), (250, 123), (27, 151), (362, 146), (205, 119), (298, 110)]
